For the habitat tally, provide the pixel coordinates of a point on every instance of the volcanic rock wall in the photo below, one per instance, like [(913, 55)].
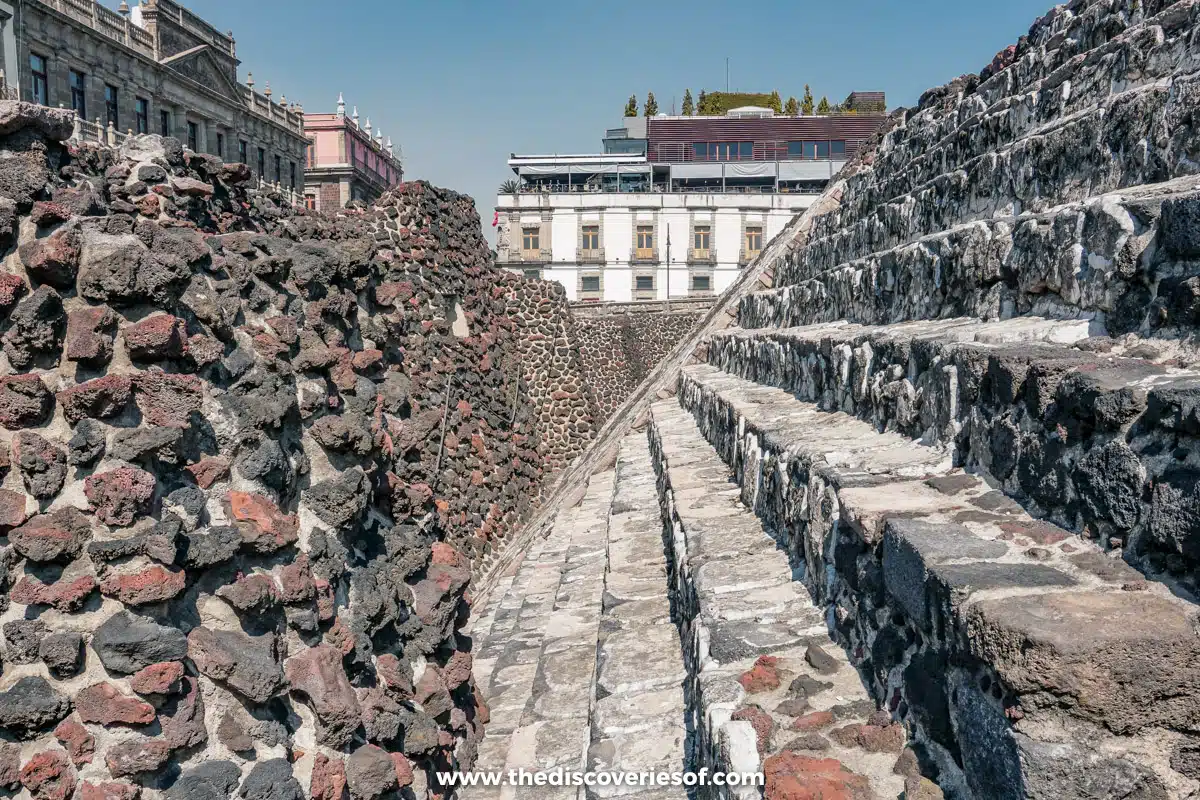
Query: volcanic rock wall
[(248, 459), (620, 343)]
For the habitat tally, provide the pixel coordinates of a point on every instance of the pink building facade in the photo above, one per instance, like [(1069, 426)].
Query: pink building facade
[(347, 161)]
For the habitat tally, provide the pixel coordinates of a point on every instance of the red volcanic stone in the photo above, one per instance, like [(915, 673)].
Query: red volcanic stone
[(250, 593), (340, 637), (813, 721), (10, 766), (431, 692), (155, 338), (103, 703), (328, 778), (80, 744), (464, 408), (264, 527), (790, 776), (154, 584), (872, 738), (318, 673), (457, 670), (394, 677), (49, 776), (96, 399), (25, 402), (762, 677), (326, 601), (90, 335), (53, 260), (12, 509), (762, 723), (137, 755), (404, 770), (47, 212), (204, 350), (112, 790), (483, 714), (395, 293), (11, 289), (58, 536), (168, 400), (208, 471), (1040, 532), (285, 329), (161, 678), (149, 206), (366, 359), (296, 581), (185, 727), (63, 595), (119, 496)]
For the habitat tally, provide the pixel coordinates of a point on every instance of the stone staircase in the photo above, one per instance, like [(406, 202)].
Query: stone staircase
[(930, 503)]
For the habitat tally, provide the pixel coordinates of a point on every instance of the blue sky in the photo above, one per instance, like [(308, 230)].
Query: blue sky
[(460, 84)]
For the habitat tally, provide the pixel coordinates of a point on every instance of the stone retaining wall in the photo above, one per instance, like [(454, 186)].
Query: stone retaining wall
[(250, 458)]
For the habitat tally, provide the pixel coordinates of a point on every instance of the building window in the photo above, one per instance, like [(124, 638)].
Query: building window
[(41, 85), (310, 155), (193, 136), (701, 240), (310, 202), (78, 82), (753, 241), (278, 169), (701, 283), (164, 123), (838, 149), (220, 145), (589, 283), (292, 167), (533, 274), (262, 164), (111, 112), (645, 241), (141, 114), (724, 151), (795, 149), (243, 153), (591, 237), (643, 283), (531, 240)]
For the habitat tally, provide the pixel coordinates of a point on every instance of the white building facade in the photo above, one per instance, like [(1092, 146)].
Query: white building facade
[(680, 219)]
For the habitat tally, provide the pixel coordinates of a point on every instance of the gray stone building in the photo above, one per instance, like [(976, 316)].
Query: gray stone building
[(155, 68)]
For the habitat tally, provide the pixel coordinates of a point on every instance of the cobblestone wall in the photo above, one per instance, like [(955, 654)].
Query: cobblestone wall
[(250, 459), (620, 343)]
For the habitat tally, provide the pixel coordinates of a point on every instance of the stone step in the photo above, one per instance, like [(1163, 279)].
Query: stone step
[(638, 722), (582, 657), (1090, 441), (1024, 661), (1081, 259), (541, 649), (766, 689)]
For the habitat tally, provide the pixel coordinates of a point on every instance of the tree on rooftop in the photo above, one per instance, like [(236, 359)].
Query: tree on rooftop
[(792, 108), (689, 107), (823, 106), (702, 107), (651, 107), (776, 102), (631, 106), (806, 105)]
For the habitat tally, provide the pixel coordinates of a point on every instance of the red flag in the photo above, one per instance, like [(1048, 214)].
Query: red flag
[(496, 219)]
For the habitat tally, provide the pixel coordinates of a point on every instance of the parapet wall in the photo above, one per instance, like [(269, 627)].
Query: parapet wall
[(250, 460)]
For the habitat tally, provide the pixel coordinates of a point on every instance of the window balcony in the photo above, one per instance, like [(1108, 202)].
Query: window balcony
[(591, 256), (643, 255), (746, 256), (706, 256), (519, 256)]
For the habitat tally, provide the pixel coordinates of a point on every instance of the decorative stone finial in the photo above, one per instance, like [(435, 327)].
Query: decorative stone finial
[(368, 126), (354, 117), (389, 146), (267, 91), (283, 100), (250, 79), (123, 9), (341, 105)]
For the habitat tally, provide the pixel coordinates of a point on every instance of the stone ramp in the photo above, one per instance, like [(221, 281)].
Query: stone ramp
[(582, 658), (1022, 659), (766, 687)]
